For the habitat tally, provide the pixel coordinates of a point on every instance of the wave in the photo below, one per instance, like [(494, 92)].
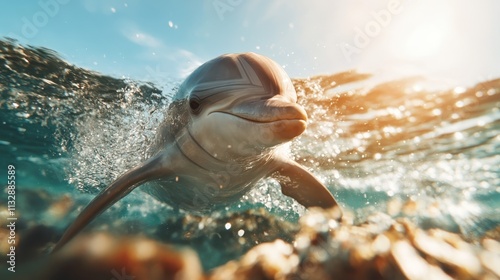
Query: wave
[(375, 144)]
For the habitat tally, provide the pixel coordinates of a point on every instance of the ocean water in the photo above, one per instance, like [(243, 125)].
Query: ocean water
[(406, 147)]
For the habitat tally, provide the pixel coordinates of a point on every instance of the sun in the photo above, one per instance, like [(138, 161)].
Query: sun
[(427, 31), (425, 40)]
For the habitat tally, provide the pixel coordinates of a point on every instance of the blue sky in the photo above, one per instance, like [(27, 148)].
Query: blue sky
[(451, 39)]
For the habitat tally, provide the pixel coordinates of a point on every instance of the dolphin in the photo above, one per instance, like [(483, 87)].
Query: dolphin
[(218, 139)]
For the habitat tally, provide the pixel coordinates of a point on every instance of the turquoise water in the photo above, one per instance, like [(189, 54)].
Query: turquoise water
[(406, 147)]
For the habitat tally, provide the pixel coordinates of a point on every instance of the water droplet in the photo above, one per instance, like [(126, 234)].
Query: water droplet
[(458, 90), (436, 112), (241, 232), (227, 225), (458, 135), (23, 115)]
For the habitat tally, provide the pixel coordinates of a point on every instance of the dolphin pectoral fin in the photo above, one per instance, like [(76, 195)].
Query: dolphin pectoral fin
[(301, 185), (151, 169)]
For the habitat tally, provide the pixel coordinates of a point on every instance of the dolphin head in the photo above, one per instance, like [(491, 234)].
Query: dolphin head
[(242, 104)]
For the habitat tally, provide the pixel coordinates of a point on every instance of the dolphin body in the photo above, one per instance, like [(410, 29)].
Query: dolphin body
[(218, 139)]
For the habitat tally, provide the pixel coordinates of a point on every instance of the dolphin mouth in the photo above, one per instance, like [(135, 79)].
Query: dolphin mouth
[(284, 122), (266, 112), (282, 129), (261, 119)]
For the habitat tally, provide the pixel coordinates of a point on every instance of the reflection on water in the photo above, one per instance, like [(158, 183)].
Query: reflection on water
[(397, 141), (396, 147)]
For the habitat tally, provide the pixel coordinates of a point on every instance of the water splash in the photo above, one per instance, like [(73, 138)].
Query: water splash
[(106, 146), (400, 141)]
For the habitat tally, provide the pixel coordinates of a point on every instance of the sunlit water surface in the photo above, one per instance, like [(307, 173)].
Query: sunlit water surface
[(400, 147)]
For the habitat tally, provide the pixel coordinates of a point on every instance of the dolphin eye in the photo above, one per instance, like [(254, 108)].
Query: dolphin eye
[(195, 105)]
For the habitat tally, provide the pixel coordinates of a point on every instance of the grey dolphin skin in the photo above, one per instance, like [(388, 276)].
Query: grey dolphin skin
[(218, 139)]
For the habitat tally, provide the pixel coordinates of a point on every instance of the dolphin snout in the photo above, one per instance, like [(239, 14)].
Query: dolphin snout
[(291, 119), (283, 110), (285, 119)]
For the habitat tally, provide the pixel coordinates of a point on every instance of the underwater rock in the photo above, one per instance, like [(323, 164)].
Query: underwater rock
[(37, 200), (493, 233), (384, 248), (39, 206), (257, 224), (380, 248), (102, 256), (36, 241), (220, 238), (35, 229), (491, 256), (325, 247), (275, 260), (60, 207)]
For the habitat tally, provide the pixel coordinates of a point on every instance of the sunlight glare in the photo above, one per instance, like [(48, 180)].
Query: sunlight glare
[(429, 32), (425, 40)]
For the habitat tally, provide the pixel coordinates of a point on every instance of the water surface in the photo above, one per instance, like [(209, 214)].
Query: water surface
[(403, 147)]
